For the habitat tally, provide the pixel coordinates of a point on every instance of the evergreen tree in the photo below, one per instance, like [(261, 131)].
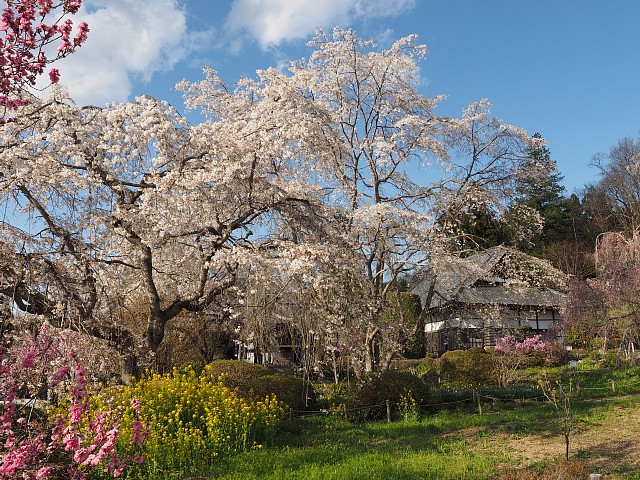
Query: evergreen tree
[(539, 188), (481, 228)]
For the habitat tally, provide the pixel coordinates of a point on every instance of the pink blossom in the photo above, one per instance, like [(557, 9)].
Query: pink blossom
[(92, 448), (75, 412), (43, 473), (54, 75), (60, 374), (22, 54), (28, 360)]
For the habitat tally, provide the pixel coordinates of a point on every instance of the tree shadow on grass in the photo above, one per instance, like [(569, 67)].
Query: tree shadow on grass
[(435, 448), (340, 450)]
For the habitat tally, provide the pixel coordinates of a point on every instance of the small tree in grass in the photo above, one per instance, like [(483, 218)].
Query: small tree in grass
[(560, 397)]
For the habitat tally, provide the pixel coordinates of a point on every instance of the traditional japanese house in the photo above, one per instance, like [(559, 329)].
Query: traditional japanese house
[(473, 301)]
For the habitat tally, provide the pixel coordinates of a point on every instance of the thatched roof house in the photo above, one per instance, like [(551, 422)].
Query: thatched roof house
[(472, 301)]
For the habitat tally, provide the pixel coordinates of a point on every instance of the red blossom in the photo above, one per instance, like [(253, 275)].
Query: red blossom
[(54, 75), (26, 33)]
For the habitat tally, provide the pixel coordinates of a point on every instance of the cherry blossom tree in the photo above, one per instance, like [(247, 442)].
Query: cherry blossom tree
[(30, 31), (339, 158), (307, 297), (607, 305), (392, 165), (130, 199)]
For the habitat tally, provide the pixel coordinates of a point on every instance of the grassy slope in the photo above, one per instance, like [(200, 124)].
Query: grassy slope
[(444, 446)]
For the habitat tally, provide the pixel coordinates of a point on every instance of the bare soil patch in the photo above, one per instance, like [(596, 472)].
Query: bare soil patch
[(610, 444)]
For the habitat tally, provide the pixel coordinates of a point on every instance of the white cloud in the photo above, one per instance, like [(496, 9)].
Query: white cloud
[(127, 39), (271, 22)]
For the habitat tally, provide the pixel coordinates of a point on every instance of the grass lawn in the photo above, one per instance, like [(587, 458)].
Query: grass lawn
[(450, 445)]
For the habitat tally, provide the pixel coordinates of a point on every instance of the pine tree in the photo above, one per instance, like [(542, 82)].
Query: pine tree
[(539, 188)]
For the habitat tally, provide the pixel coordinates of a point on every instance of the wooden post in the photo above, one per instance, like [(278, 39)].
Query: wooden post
[(613, 386), (477, 392), (388, 411), (291, 414), (344, 409)]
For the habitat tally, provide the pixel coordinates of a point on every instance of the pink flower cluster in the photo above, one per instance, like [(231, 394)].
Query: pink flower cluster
[(98, 449), (91, 436), (25, 36), (509, 345)]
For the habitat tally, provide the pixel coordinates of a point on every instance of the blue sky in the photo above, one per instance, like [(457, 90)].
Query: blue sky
[(568, 69)]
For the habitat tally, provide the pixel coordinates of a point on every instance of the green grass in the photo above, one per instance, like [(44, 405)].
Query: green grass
[(448, 444), (327, 448), (594, 382), (437, 447)]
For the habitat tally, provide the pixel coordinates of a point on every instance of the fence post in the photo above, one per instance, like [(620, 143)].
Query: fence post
[(344, 409), (291, 414), (613, 386), (477, 394), (388, 411)]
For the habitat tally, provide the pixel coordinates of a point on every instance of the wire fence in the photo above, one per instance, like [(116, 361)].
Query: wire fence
[(472, 398)]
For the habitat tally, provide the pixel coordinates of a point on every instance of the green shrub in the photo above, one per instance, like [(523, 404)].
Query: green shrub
[(426, 368), (237, 374), (411, 364), (367, 400), (296, 393), (607, 359), (251, 380), (468, 367), (449, 365)]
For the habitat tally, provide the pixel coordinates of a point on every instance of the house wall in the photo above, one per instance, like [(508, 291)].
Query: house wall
[(450, 330)]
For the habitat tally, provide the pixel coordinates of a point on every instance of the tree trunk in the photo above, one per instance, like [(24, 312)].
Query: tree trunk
[(370, 353), (334, 364)]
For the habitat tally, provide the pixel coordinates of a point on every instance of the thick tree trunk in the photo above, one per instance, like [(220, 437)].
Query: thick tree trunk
[(154, 334), (370, 353)]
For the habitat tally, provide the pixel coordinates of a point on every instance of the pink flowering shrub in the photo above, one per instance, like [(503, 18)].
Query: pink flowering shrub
[(512, 355), (537, 350), (509, 345), (26, 32), (79, 440), (92, 436)]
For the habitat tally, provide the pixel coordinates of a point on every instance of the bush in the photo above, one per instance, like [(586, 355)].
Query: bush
[(467, 367), (74, 440), (555, 355), (296, 393), (367, 400), (425, 368), (251, 380), (237, 374)]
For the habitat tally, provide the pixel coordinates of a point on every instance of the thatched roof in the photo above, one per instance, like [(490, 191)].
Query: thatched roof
[(497, 276)]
